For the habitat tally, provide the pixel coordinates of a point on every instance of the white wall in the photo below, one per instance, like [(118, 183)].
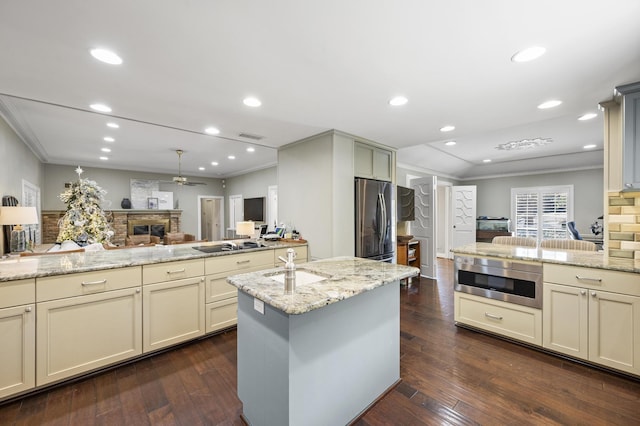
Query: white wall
[(118, 186), (18, 163)]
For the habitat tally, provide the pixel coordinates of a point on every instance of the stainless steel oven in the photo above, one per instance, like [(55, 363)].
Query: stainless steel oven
[(510, 281)]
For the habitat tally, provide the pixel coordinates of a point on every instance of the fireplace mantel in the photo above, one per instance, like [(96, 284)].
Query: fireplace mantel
[(119, 219)]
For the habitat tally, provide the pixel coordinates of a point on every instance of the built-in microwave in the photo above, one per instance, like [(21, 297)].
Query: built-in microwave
[(506, 280)]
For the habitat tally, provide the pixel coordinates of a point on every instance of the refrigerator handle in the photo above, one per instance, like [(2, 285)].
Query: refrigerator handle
[(381, 221), (384, 218)]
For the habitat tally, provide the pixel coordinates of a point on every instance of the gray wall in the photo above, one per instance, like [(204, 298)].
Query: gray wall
[(249, 185), (18, 163), (118, 186), (494, 195)]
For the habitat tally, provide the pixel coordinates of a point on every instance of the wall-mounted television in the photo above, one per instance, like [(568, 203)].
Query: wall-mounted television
[(254, 209), (406, 204)]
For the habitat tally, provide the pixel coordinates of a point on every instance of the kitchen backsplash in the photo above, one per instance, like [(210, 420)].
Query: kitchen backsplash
[(624, 224)]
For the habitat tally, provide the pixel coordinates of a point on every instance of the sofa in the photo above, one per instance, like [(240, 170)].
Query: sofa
[(141, 240), (178, 238)]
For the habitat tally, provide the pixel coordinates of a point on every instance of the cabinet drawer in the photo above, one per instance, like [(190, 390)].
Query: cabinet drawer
[(69, 285), (301, 255), (593, 278), (168, 271), (219, 289), (513, 321), (222, 314), (19, 292), (239, 263)]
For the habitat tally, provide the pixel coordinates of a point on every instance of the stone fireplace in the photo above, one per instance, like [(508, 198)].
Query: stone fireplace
[(123, 222)]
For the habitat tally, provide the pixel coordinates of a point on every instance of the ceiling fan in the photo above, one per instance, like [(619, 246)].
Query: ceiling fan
[(182, 180)]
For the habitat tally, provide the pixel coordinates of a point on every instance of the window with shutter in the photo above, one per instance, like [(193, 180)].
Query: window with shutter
[(542, 212)]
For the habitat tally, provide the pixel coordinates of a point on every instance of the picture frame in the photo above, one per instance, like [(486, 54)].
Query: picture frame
[(152, 203)]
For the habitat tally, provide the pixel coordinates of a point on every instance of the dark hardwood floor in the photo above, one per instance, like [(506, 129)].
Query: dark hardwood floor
[(449, 375)]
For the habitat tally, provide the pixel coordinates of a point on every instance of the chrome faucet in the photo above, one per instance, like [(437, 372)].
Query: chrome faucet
[(289, 272)]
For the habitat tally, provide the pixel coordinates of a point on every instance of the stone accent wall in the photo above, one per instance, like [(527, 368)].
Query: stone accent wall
[(624, 224), (118, 218)]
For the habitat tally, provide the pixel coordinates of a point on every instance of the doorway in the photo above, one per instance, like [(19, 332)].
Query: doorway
[(211, 214)]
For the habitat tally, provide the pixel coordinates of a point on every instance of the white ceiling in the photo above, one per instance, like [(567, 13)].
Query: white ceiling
[(316, 65)]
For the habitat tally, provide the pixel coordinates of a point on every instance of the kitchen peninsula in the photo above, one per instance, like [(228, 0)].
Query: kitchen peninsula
[(590, 303), (97, 309), (325, 353)]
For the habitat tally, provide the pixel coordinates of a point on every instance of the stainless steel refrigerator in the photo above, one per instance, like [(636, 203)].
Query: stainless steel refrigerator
[(375, 220)]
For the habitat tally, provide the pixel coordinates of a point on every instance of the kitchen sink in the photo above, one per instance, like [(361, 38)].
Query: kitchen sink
[(302, 277)]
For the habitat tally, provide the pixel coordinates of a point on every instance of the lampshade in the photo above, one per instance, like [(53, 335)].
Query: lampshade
[(13, 215), (245, 228)]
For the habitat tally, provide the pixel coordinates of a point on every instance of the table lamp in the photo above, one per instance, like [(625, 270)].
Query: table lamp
[(18, 216), (245, 228)]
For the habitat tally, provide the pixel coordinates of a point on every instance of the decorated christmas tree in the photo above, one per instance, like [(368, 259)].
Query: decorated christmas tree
[(84, 221)]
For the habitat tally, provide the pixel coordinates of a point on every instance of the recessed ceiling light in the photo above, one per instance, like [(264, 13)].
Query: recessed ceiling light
[(251, 149), (201, 168), (104, 158), (590, 146), (100, 107), (587, 116), (398, 101), (447, 128), (252, 102), (108, 139), (450, 143), (549, 104), (211, 130), (106, 56), (528, 54), (231, 157), (214, 163), (113, 125), (488, 160), (106, 150)]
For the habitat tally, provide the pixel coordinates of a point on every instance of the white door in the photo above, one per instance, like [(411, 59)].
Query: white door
[(423, 227), (272, 207), (463, 215), (211, 219)]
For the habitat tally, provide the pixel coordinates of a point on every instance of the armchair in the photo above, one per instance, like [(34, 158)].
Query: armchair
[(178, 238)]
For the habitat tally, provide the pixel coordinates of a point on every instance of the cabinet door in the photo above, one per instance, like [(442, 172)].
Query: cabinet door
[(18, 357), (82, 333), (564, 320), (372, 162), (173, 312), (631, 155), (614, 330)]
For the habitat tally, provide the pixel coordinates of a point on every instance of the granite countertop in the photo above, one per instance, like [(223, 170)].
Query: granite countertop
[(17, 268), (588, 259), (345, 277)]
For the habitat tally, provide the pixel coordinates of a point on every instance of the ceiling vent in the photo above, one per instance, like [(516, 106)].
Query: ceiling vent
[(524, 144), (250, 136)]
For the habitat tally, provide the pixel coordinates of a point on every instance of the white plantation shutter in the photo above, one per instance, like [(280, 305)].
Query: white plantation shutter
[(542, 212)]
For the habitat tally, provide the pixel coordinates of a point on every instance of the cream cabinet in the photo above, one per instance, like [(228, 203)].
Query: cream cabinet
[(373, 162), (221, 297), (86, 321), (593, 314), (173, 303), (18, 331), (302, 255), (631, 134), (506, 319)]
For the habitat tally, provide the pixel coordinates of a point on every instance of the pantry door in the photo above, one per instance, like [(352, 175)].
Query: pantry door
[(423, 227)]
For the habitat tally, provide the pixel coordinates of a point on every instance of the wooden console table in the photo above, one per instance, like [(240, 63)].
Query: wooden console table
[(409, 253)]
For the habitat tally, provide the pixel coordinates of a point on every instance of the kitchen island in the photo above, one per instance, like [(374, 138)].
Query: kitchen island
[(325, 353)]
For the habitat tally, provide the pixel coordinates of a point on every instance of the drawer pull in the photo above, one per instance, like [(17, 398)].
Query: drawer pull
[(598, 280), (239, 262), (176, 271), (94, 282), (28, 309), (496, 317)]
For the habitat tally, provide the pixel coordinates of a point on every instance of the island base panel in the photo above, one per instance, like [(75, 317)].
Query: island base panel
[(322, 367)]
